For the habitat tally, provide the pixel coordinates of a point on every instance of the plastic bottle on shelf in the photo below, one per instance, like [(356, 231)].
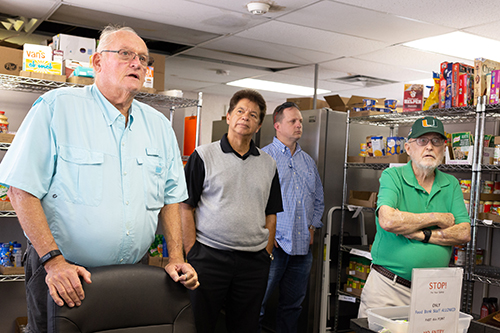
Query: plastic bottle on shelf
[(17, 254), (485, 307), (4, 122), (494, 304)]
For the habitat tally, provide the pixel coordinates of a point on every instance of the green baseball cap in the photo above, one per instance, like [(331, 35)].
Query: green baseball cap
[(426, 125)]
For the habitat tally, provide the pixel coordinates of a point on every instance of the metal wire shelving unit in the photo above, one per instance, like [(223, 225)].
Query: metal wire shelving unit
[(460, 115)]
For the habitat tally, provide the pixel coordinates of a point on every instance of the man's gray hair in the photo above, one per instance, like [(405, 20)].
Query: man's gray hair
[(106, 35)]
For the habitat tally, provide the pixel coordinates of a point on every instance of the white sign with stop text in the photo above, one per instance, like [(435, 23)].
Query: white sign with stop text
[(435, 300)]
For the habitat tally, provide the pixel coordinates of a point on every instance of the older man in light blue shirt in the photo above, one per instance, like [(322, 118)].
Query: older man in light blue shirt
[(91, 172), (303, 205)]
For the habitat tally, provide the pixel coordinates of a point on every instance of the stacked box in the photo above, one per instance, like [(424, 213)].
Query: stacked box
[(457, 70), (481, 68), (494, 87), (413, 97)]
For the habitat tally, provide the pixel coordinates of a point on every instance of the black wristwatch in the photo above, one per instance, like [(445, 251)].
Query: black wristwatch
[(427, 233), (48, 256)]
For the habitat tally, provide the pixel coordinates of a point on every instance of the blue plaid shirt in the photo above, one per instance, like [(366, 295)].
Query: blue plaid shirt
[(302, 194)]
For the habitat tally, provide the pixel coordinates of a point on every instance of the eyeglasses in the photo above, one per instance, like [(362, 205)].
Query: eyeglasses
[(437, 142), (126, 55)]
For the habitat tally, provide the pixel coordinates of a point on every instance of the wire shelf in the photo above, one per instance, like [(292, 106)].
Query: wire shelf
[(11, 278), (442, 167), (464, 114), (487, 274), (28, 84)]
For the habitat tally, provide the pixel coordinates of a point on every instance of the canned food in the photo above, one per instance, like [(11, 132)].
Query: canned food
[(465, 185), (479, 256), (467, 204), (460, 256), (487, 206), (496, 188), (488, 186)]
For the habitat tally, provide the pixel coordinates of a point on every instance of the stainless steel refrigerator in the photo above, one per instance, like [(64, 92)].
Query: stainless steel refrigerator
[(324, 140)]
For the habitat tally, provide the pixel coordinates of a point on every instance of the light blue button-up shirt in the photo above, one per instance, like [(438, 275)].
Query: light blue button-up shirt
[(302, 194), (101, 184)]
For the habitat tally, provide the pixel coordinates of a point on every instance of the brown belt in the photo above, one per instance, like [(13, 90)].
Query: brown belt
[(390, 275)]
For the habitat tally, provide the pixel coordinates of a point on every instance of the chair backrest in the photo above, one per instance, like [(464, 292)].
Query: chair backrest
[(126, 298)]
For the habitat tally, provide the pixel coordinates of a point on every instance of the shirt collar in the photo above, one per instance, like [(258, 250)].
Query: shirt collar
[(283, 148), (109, 111), (226, 148), (439, 180)]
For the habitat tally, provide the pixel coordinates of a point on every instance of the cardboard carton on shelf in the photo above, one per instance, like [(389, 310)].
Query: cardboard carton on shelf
[(11, 60), (485, 196), (338, 103), (363, 198), (5, 206), (159, 71), (488, 216), (6, 137), (306, 103), (148, 90), (399, 158), (11, 270), (357, 274), (355, 159), (21, 323), (81, 80), (43, 76), (352, 291), (157, 261)]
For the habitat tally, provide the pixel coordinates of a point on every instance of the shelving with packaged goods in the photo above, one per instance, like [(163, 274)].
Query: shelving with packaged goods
[(28, 84)]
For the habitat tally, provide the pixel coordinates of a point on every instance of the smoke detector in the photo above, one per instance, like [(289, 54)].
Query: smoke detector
[(258, 8)]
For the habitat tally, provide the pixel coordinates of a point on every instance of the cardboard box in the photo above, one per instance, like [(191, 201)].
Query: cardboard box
[(157, 261), (11, 270), (338, 103), (149, 81), (461, 144), (11, 60), (36, 52), (306, 103), (6, 137), (75, 47), (457, 70), (485, 196), (43, 76), (148, 90), (482, 67), (355, 159), (159, 68), (40, 66), (494, 87), (357, 273), (353, 291), (363, 198), (401, 158), (81, 80), (6, 206), (21, 323)]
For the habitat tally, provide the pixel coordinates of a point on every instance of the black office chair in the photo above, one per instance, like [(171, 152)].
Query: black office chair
[(126, 298)]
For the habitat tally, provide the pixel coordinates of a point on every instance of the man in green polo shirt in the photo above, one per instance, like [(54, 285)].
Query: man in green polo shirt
[(420, 215)]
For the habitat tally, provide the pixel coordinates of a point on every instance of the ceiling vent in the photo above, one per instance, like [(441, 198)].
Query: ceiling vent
[(363, 80)]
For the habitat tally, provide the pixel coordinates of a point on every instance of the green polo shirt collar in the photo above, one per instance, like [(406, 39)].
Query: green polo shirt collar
[(440, 180)]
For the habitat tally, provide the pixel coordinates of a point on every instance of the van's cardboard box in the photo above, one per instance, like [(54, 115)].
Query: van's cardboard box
[(11, 60), (304, 103)]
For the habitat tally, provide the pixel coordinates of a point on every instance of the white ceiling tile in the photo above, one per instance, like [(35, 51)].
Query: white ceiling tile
[(362, 67), (258, 48), (312, 39), (180, 13), (241, 58), (360, 22), (489, 30), (277, 7), (27, 8), (457, 14), (410, 58)]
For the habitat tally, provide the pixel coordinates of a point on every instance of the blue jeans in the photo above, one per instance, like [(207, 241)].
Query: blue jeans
[(292, 275)]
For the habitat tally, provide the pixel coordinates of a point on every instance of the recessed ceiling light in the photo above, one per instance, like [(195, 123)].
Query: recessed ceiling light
[(460, 44), (289, 89)]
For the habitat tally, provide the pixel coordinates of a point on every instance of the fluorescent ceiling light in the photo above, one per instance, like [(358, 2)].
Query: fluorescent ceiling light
[(284, 88), (460, 44)]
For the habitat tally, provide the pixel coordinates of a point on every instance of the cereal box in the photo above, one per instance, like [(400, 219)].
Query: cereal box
[(457, 70), (482, 67), (495, 87), (413, 97)]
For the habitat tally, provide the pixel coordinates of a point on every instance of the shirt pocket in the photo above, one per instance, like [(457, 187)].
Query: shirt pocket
[(153, 171), (81, 175)]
